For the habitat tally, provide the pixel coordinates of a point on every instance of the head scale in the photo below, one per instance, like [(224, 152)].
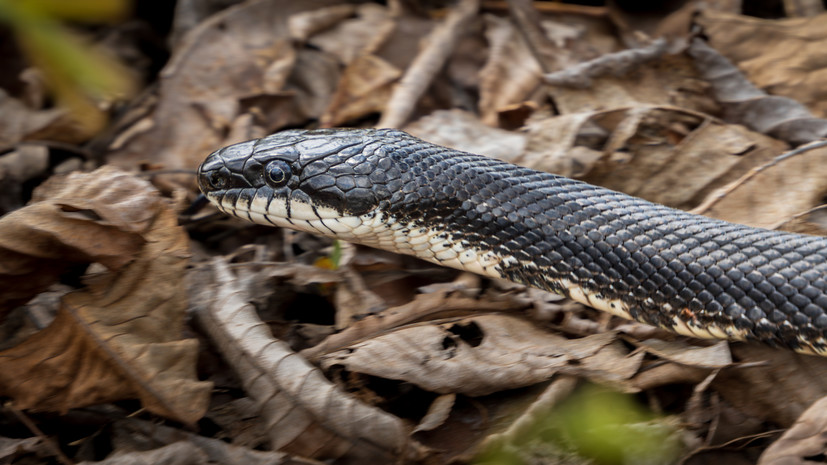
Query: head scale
[(304, 179)]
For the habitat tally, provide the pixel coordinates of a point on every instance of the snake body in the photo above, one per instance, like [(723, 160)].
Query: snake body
[(691, 274)]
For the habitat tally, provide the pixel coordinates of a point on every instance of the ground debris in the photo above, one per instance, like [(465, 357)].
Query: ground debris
[(136, 331)]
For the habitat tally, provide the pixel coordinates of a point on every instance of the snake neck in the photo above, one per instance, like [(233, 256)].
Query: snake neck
[(690, 274)]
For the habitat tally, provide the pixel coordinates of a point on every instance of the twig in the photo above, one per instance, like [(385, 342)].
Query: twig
[(556, 392), (528, 24), (426, 65), (580, 76), (714, 199), (553, 8), (747, 440), (781, 223), (61, 457)]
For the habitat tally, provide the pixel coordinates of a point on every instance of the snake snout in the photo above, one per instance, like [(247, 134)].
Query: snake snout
[(224, 169), (210, 176)]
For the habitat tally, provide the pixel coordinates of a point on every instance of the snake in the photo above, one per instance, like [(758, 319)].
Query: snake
[(690, 274)]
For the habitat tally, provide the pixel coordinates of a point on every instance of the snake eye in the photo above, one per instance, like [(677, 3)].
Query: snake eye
[(216, 180), (278, 173)]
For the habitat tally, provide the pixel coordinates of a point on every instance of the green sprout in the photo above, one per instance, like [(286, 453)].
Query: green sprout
[(83, 79), (336, 254), (332, 261), (595, 425)]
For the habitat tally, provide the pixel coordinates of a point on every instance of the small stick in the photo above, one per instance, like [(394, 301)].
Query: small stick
[(712, 200), (527, 20), (61, 457), (784, 222), (426, 65), (579, 76), (553, 8), (554, 394)]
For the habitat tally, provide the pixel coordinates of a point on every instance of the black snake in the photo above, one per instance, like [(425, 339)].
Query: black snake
[(384, 188)]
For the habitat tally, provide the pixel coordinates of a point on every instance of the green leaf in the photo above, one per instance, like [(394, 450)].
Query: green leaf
[(84, 79), (93, 11)]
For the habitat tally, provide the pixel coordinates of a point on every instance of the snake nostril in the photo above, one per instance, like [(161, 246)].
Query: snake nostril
[(216, 180)]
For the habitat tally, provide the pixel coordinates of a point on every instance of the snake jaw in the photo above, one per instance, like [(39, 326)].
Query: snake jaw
[(344, 173)]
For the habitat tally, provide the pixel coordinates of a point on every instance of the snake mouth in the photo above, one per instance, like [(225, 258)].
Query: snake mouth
[(266, 207)]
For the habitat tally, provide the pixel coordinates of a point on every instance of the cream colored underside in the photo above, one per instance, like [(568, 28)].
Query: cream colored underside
[(432, 244)]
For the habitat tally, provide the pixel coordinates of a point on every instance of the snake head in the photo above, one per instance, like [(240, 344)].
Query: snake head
[(294, 177)]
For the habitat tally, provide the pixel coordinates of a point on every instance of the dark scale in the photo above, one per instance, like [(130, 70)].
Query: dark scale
[(647, 255), (660, 262)]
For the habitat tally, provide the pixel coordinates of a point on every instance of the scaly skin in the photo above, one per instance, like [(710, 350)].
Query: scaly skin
[(384, 188)]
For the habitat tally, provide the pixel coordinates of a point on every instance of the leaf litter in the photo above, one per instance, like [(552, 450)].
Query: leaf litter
[(305, 414), (120, 336), (370, 357)]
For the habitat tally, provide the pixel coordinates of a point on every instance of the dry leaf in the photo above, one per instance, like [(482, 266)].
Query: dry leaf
[(664, 374), (713, 356), (29, 163), (485, 354), (306, 24), (612, 64), (462, 130), (353, 300), (781, 117), (364, 89), (134, 434), (775, 194), (84, 220), (813, 222), (804, 443), (118, 338), (665, 81), (440, 304), (663, 154), (239, 422), (511, 74), (781, 384), (568, 145), (356, 36), (299, 274), (305, 413), (32, 257), (436, 49), (238, 53), (177, 453), (314, 82), (787, 61), (438, 412), (10, 448), (19, 122)]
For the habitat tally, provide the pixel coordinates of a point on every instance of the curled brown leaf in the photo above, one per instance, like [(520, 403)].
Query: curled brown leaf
[(118, 338), (481, 355), (804, 442), (82, 218)]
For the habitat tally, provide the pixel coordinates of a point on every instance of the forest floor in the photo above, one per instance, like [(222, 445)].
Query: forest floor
[(135, 330)]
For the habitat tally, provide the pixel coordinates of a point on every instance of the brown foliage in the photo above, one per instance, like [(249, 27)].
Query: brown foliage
[(352, 355)]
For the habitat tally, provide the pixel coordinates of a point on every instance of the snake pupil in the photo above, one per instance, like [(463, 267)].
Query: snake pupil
[(278, 173)]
